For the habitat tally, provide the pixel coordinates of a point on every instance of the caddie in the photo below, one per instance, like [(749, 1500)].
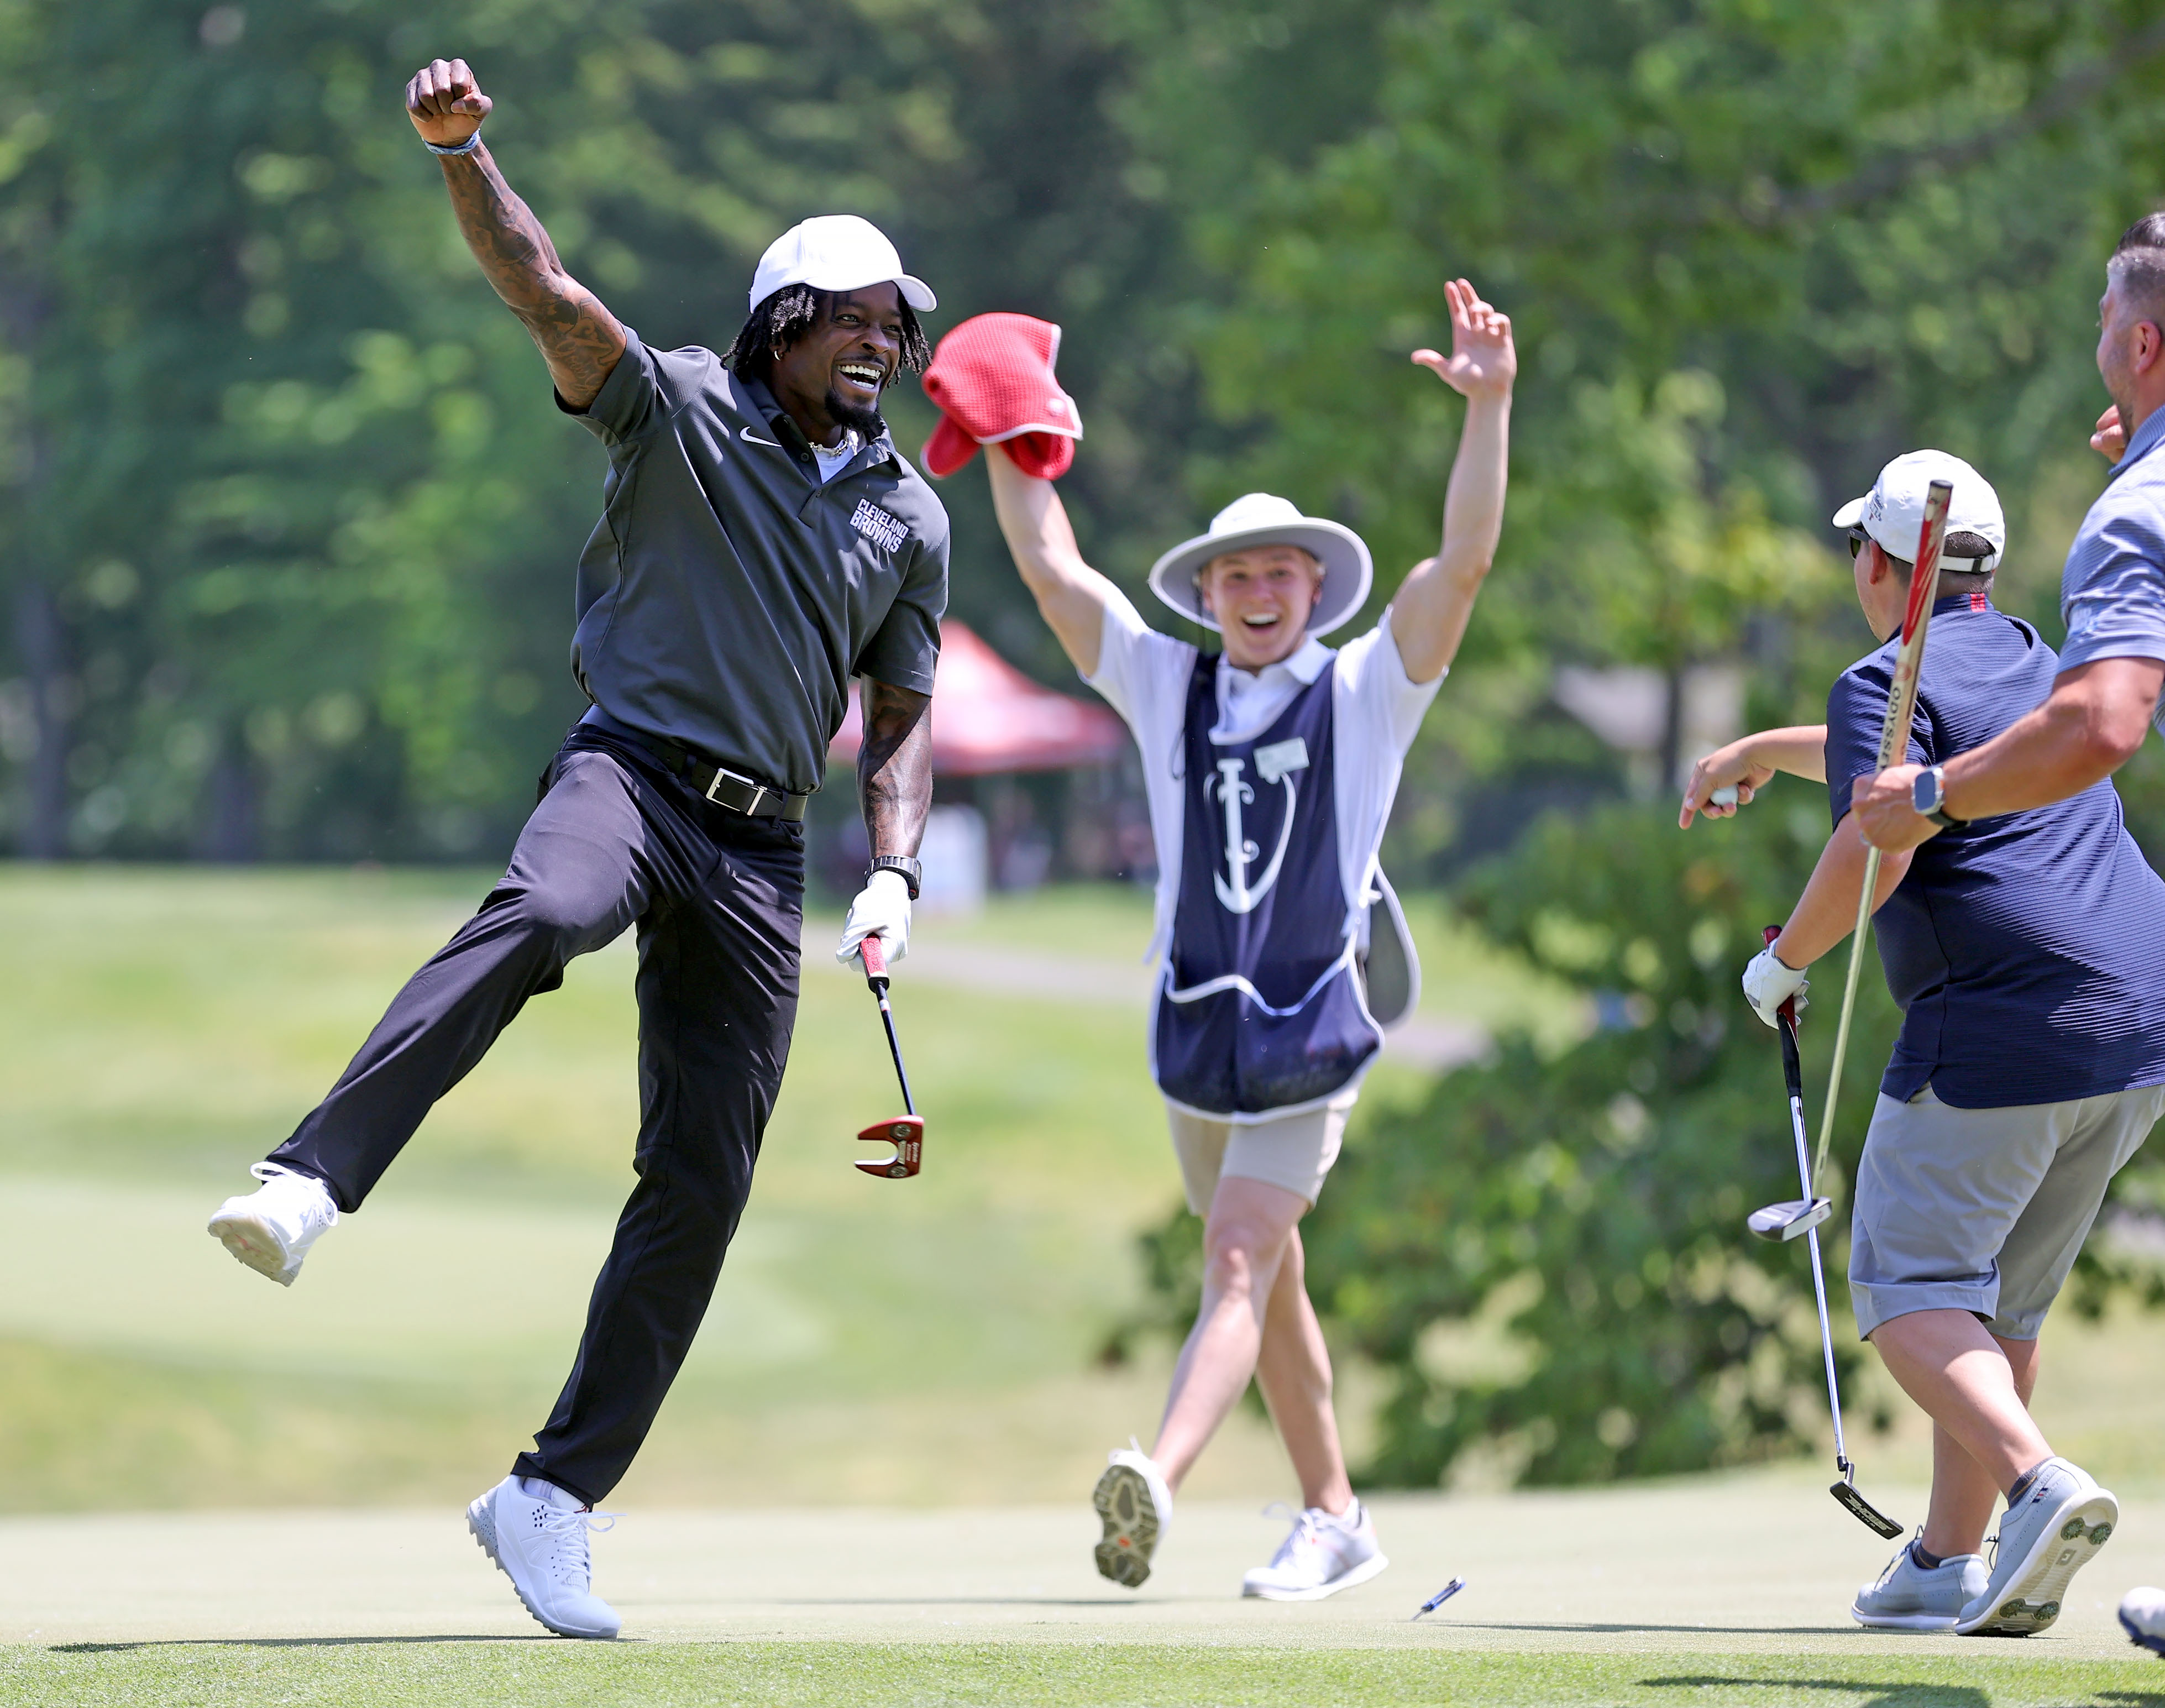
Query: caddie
[(761, 543), (1270, 767), (2030, 1067)]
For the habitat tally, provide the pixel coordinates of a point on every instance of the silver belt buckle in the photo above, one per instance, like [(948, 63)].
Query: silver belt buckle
[(758, 791)]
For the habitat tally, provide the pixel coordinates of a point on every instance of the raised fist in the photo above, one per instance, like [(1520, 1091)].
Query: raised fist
[(446, 104)]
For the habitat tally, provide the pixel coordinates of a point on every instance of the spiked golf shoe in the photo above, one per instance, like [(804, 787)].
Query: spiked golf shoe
[(1323, 1555), (1136, 1502), (271, 1228), (1910, 1597), (541, 1547), (2051, 1533), (2142, 1617)]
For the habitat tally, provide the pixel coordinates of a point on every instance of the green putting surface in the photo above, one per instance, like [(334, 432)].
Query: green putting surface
[(782, 1675), (1729, 1588)]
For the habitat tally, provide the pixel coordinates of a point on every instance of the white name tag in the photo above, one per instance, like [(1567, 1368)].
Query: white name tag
[(1280, 757)]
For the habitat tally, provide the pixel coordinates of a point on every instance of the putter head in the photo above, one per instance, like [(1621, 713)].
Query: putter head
[(1791, 1218), (906, 1133), (1862, 1510)]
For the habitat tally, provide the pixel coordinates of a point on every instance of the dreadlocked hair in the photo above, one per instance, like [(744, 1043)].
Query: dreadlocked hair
[(792, 311)]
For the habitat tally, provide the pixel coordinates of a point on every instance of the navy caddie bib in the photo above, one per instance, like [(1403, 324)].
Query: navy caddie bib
[(1260, 1012)]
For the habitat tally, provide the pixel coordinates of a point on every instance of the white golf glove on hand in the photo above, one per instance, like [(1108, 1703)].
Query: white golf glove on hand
[(1769, 982), (881, 909)]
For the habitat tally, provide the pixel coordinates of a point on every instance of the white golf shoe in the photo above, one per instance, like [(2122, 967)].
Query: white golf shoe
[(541, 1547), (2051, 1533), (271, 1228), (1323, 1555), (1910, 1597), (1136, 1502), (2142, 1617)]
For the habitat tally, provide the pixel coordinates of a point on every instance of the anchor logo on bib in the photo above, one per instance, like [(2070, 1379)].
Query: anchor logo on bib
[(1274, 764)]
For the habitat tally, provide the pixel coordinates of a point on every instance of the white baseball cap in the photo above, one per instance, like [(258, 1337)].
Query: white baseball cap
[(1892, 512), (836, 252), (1260, 519)]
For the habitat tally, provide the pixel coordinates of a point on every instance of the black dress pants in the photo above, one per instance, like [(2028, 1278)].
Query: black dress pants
[(718, 899)]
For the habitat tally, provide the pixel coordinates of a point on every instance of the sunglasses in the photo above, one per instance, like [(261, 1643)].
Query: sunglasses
[(1858, 537)]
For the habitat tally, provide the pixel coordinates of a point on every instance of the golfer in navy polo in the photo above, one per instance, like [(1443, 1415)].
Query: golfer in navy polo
[(761, 543), (2030, 1067), (1270, 767)]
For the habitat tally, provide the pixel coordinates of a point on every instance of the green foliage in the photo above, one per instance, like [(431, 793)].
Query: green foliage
[(1549, 1257), (289, 473)]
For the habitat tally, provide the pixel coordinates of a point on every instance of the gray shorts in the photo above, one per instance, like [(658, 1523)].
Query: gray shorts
[(1294, 1151), (1984, 1209)]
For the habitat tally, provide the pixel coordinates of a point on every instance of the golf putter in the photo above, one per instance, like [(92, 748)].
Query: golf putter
[(905, 1132), (1792, 1217), (1785, 1222)]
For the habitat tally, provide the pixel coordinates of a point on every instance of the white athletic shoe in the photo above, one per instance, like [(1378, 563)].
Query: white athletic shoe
[(1323, 1555), (2055, 1530), (1136, 1504), (1907, 1597), (542, 1548), (271, 1228), (2142, 1617)]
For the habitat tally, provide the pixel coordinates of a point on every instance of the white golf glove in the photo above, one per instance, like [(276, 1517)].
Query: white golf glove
[(1770, 982), (881, 909)]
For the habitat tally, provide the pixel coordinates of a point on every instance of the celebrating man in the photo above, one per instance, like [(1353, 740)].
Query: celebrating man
[(761, 543), (2112, 668), (1271, 768), (2030, 1067)]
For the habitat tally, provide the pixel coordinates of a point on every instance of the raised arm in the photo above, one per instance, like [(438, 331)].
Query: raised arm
[(1429, 613), (1071, 596), (579, 339)]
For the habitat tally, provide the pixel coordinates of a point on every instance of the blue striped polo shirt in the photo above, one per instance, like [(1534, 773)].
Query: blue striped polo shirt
[(2112, 592), (2022, 948)]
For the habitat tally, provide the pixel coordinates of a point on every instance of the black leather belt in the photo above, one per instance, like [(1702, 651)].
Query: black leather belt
[(715, 782), (741, 794)]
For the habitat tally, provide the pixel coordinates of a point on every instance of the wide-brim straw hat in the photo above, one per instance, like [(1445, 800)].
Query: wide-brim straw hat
[(1258, 518)]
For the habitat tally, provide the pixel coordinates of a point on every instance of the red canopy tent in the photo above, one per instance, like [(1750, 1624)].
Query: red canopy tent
[(989, 718)]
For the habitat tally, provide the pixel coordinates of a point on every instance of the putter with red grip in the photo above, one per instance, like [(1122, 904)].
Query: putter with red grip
[(905, 1132), (1785, 1222)]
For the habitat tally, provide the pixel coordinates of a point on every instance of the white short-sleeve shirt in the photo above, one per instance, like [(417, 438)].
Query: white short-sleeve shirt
[(1375, 713)]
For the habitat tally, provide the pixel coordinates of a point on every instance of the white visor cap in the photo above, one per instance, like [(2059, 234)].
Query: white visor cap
[(836, 252), (1892, 512), (1260, 519)]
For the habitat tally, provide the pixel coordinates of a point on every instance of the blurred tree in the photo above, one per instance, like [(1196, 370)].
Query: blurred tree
[(289, 524), (1750, 251)]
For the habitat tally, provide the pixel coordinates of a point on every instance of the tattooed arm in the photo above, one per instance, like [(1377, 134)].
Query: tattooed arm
[(579, 339), (894, 767)]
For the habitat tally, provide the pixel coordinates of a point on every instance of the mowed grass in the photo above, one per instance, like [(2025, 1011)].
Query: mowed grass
[(780, 1675), (162, 1028)]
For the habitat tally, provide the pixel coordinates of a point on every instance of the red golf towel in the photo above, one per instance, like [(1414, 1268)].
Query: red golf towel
[(992, 380)]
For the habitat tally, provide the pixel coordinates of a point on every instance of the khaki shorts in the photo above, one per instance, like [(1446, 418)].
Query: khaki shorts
[(1294, 1151), (1984, 1209)]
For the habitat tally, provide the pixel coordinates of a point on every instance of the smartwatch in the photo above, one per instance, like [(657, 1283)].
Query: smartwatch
[(1927, 795), (911, 871)]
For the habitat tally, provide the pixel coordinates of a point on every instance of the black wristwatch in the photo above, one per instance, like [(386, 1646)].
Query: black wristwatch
[(1926, 794), (910, 870)]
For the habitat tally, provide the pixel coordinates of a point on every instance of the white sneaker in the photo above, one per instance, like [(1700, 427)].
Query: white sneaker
[(1322, 1556), (1908, 1597), (271, 1228), (2055, 1530), (542, 1548), (1136, 1504), (2142, 1617)]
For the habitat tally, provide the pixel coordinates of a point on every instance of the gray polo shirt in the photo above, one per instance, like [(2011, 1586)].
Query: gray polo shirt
[(727, 595), (2112, 592)]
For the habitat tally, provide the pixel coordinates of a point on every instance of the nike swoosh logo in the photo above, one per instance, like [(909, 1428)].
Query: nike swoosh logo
[(752, 438)]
